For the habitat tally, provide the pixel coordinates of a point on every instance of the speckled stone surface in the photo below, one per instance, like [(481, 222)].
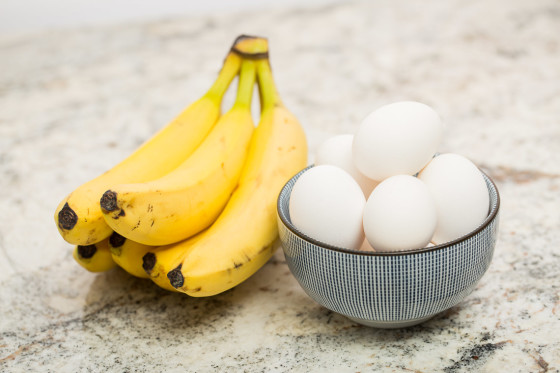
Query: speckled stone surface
[(73, 103)]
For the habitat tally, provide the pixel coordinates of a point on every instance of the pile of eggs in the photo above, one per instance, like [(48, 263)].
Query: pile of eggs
[(383, 188)]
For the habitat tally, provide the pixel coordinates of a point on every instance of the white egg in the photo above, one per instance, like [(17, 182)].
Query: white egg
[(398, 138), (337, 151), (400, 214), (327, 204), (460, 193)]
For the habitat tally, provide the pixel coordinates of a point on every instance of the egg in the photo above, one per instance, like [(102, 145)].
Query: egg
[(400, 214), (399, 138), (460, 194), (337, 151), (327, 204)]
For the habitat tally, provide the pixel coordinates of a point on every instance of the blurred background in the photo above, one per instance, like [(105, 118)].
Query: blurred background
[(35, 15)]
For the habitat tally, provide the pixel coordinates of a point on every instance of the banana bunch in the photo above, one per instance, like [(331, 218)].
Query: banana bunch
[(194, 208)]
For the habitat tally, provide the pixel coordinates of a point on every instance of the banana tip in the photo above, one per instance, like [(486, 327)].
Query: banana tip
[(176, 277), (148, 262), (116, 240), (86, 251), (67, 218), (108, 201)]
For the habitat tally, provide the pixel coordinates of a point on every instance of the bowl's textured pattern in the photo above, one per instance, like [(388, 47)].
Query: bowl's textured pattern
[(388, 288)]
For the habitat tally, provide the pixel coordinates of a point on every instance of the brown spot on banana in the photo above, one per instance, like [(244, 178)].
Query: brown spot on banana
[(87, 251), (67, 218), (148, 262), (175, 277), (89, 240), (137, 225)]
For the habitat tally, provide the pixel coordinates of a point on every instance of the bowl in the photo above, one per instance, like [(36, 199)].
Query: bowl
[(388, 289)]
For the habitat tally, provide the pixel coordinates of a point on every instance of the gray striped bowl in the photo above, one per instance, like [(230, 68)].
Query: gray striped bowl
[(388, 289)]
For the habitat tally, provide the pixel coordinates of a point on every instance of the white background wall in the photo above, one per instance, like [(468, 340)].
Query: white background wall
[(34, 15)]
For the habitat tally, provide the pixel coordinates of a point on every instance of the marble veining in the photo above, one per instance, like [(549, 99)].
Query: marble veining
[(75, 102)]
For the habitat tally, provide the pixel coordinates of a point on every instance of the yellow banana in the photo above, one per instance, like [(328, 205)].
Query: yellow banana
[(242, 239), (79, 218), (159, 261), (95, 257), (190, 198), (128, 254)]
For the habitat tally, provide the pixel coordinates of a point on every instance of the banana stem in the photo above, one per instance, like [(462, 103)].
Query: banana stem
[(251, 47), (267, 88), (230, 69), (246, 85)]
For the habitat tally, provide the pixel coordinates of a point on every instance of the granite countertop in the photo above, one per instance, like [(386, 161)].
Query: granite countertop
[(75, 102)]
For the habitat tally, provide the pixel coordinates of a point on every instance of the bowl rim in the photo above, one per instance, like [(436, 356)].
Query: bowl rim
[(491, 216)]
